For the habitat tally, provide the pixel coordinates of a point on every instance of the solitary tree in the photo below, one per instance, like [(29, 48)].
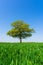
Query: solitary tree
[(20, 30)]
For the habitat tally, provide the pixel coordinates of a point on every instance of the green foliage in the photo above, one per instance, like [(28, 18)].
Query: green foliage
[(21, 54), (20, 30)]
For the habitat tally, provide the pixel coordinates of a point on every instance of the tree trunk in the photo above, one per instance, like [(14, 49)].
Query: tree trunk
[(20, 40)]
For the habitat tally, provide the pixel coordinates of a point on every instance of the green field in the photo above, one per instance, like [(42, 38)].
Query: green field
[(21, 54)]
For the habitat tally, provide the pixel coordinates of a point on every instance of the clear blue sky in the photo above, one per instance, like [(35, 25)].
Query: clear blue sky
[(31, 11)]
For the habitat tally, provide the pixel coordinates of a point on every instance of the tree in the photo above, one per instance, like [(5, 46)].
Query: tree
[(20, 30)]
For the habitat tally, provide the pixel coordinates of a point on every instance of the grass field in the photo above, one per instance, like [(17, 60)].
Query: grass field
[(21, 54)]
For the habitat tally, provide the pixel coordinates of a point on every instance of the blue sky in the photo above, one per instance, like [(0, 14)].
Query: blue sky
[(30, 11)]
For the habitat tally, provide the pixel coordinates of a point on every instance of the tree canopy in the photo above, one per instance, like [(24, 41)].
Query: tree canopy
[(20, 29)]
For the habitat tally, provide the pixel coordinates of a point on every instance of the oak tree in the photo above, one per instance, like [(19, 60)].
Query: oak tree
[(20, 29)]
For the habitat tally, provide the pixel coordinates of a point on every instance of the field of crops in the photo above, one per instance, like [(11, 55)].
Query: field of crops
[(21, 54)]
